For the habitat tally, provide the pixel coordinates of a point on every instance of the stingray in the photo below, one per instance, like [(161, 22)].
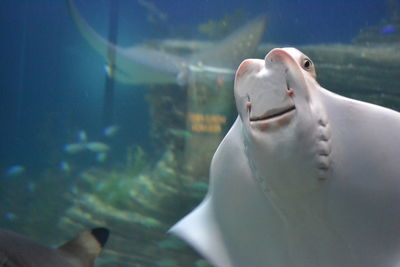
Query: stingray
[(143, 65), (304, 177), (19, 251)]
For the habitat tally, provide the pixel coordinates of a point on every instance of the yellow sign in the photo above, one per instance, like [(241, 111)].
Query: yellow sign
[(207, 123)]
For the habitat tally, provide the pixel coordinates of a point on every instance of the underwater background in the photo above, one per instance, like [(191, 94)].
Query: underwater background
[(80, 147)]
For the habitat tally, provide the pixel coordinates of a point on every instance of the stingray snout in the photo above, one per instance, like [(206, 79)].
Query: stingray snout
[(279, 58), (248, 66)]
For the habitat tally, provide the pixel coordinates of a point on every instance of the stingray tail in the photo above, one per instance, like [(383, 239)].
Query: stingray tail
[(86, 246)]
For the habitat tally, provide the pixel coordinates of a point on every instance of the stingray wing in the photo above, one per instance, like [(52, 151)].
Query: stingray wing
[(235, 225), (229, 52), (201, 230), (135, 65), (363, 200)]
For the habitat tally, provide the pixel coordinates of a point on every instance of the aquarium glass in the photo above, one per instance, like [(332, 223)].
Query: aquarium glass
[(111, 110)]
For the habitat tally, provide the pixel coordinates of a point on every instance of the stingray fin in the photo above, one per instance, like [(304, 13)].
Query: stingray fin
[(86, 246), (200, 229), (240, 44), (135, 65)]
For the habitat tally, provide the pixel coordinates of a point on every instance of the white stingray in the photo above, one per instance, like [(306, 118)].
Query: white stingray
[(304, 178)]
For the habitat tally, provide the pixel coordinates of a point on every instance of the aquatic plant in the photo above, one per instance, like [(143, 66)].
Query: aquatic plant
[(135, 160)]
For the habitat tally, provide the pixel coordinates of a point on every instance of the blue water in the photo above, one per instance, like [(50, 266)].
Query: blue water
[(51, 78), (52, 81)]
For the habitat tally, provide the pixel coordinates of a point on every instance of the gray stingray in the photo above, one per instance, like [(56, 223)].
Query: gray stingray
[(144, 65), (304, 178), (19, 251)]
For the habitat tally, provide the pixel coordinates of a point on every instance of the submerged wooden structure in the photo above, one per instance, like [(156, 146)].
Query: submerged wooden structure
[(367, 73), (364, 72)]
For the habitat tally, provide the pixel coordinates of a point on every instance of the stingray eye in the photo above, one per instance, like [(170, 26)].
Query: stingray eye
[(307, 64)]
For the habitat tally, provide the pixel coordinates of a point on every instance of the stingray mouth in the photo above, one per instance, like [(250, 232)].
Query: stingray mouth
[(274, 113), (273, 119)]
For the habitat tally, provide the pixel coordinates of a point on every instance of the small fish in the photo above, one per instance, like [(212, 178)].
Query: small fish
[(107, 69), (64, 166), (388, 29), (110, 130), (74, 148), (19, 251), (82, 136), (10, 216), (101, 157), (180, 133), (97, 147), (15, 170)]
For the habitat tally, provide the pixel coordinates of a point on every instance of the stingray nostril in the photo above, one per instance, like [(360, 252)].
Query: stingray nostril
[(290, 91), (248, 103), (248, 106)]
